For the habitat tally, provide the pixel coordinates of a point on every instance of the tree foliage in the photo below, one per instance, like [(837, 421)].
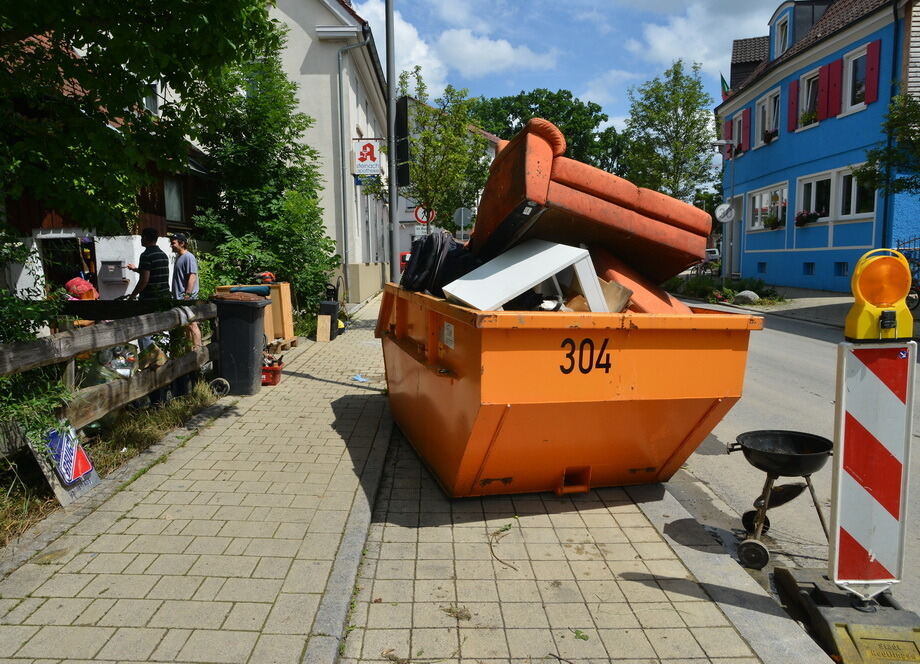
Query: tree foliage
[(895, 167), (449, 162), (73, 77), (670, 132), (582, 123), (265, 212)]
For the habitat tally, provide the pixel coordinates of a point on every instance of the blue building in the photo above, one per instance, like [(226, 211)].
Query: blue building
[(806, 103)]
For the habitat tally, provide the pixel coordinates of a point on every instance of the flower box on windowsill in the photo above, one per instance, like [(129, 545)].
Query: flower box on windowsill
[(805, 217), (772, 222), (769, 135)]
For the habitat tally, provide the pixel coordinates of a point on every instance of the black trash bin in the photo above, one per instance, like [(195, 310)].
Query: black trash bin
[(241, 338)]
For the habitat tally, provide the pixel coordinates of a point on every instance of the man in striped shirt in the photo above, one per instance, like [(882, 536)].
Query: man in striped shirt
[(153, 268)]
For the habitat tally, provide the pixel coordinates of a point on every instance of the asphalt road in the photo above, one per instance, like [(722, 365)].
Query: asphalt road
[(789, 384)]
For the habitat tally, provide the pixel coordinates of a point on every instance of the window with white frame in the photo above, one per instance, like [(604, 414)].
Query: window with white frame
[(854, 80), (815, 195), (152, 99), (767, 118), (782, 36), (808, 101), (856, 200), (768, 207)]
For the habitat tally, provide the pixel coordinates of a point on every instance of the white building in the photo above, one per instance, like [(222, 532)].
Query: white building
[(331, 55)]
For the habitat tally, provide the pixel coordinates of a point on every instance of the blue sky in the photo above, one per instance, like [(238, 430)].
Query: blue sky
[(595, 48)]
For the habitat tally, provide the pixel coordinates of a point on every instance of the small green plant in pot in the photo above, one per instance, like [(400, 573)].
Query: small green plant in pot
[(772, 222), (808, 118), (806, 217)]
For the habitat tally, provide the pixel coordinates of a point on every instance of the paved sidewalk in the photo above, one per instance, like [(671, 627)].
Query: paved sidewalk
[(582, 579), (244, 545), (221, 553)]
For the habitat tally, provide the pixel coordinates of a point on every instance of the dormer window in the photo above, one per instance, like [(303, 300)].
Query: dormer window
[(782, 36)]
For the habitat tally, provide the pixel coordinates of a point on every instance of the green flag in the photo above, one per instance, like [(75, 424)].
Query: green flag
[(726, 91)]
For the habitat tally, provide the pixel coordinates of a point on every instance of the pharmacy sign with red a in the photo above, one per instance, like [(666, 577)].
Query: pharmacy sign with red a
[(367, 157)]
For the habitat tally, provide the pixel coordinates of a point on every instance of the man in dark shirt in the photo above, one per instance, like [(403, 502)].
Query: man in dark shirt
[(153, 268)]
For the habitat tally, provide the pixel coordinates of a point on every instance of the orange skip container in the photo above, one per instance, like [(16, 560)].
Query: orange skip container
[(511, 402)]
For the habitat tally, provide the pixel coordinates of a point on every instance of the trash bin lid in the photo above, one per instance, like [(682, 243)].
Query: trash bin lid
[(238, 297)]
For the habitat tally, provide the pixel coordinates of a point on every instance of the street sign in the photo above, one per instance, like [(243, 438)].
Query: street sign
[(871, 461), (424, 216), (367, 157), (420, 229)]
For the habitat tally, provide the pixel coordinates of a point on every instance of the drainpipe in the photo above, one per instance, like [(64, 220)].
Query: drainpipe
[(887, 239), (343, 131)]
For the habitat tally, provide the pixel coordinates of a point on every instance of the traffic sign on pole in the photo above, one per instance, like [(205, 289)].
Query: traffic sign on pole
[(871, 461), (424, 216)]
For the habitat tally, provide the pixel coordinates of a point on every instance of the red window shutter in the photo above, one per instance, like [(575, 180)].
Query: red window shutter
[(834, 88), (873, 50), (727, 135), (746, 130), (792, 119), (823, 89)]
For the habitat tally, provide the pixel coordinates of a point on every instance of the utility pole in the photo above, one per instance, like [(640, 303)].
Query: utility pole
[(391, 145)]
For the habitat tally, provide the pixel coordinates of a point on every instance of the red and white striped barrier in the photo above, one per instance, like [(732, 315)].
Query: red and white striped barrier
[(871, 461)]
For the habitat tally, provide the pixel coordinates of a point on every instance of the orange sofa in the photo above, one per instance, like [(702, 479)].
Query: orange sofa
[(535, 192)]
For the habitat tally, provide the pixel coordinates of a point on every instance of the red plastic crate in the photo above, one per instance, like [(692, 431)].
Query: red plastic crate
[(271, 375)]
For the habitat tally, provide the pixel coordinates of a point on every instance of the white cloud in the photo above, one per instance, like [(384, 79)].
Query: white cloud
[(475, 56), (411, 48), (596, 17), (463, 13), (701, 31), (609, 86)]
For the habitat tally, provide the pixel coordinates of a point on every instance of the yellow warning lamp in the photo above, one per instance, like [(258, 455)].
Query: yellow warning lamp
[(881, 281)]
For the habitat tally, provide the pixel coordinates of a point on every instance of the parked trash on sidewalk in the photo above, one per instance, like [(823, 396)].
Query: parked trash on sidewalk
[(358, 378)]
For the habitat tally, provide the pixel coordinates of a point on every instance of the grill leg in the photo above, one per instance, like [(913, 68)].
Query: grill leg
[(762, 508), (814, 499)]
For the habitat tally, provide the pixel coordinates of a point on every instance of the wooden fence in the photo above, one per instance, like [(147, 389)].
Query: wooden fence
[(91, 403)]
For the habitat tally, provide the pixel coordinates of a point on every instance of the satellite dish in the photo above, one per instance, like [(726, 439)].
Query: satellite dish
[(725, 213)]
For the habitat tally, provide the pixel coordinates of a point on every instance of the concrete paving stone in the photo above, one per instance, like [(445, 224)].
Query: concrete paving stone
[(249, 590), (133, 586), (635, 535), (393, 533), (569, 614), (13, 636), (535, 535), (237, 546), (295, 531), (581, 551), (187, 613), (486, 615), (129, 613), (178, 497), (434, 569), (390, 615), (66, 642), (559, 591), (214, 485), (435, 643), (140, 563), (329, 521), (63, 585), (477, 535), (207, 591), (670, 643), (608, 535), (146, 526), (278, 649), (673, 569), (272, 568), (234, 512), (477, 590), (654, 551), (202, 527), (218, 647), (721, 642), (430, 614), (272, 547), (292, 614), (657, 614), (175, 587), (160, 544), (222, 498), (642, 591), (524, 615), (247, 616), (701, 614), (440, 590), (472, 551), (396, 569), (96, 523), (205, 512), (590, 570), (523, 569), (134, 643), (552, 570), (109, 543), (573, 643), (7, 605), (518, 591), (401, 550), (381, 643), (224, 565), (95, 611), (249, 529), (58, 611), (146, 511), (530, 643), (612, 615), (307, 576), (22, 609), (627, 642), (172, 564)]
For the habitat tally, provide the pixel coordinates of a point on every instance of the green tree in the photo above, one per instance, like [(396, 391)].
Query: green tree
[(449, 162), (73, 78), (670, 132), (895, 166), (581, 122), (265, 213)]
